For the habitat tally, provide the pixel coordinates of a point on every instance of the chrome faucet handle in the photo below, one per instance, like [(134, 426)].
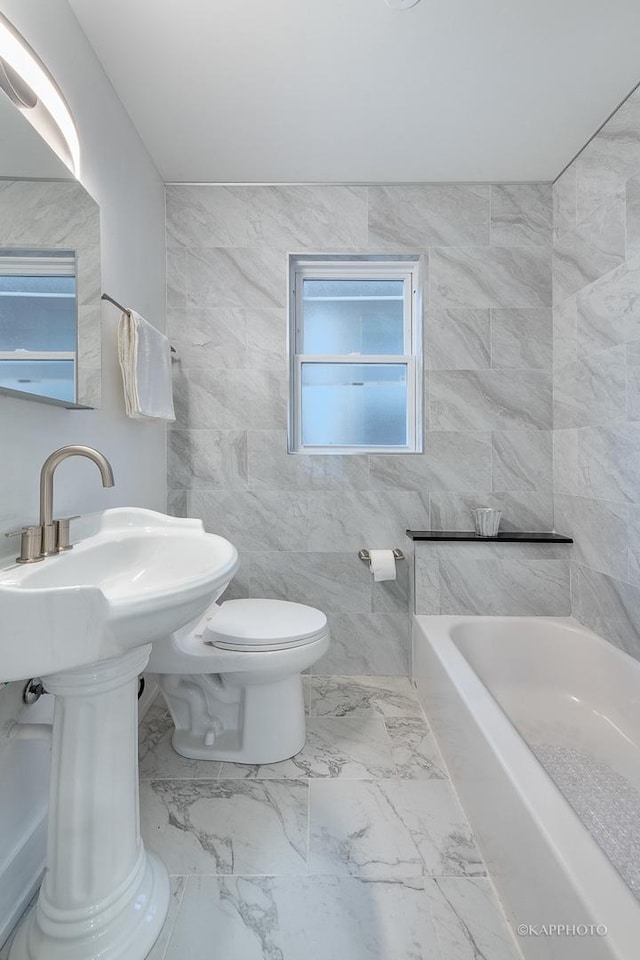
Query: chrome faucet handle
[(30, 544), (62, 531)]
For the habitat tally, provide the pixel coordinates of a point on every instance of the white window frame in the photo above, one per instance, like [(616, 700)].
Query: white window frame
[(406, 268)]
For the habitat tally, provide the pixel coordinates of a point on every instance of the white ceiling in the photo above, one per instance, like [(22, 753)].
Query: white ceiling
[(351, 90)]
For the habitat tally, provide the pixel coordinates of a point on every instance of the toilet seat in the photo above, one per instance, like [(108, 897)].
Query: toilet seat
[(262, 625)]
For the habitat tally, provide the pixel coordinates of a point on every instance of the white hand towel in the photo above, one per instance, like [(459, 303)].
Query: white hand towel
[(145, 361)]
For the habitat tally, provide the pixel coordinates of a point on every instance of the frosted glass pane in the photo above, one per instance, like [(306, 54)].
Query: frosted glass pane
[(46, 378), (353, 316), (345, 404), (38, 313)]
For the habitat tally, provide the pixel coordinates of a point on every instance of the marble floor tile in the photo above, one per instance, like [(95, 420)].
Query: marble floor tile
[(363, 697), (466, 922), (390, 828), (226, 826), (6, 946), (157, 758), (354, 748), (159, 949), (414, 750), (326, 918)]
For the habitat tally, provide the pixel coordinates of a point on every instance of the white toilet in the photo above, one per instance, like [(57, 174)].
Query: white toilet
[(233, 683)]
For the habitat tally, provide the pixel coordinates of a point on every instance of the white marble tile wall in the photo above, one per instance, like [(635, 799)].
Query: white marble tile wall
[(596, 338), (492, 579), (298, 521)]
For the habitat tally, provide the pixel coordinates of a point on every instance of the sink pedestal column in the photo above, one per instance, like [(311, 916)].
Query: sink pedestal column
[(102, 895)]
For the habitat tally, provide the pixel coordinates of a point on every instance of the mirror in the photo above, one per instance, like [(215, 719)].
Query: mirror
[(50, 281)]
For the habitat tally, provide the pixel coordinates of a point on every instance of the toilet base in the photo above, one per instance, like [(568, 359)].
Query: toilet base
[(241, 718)]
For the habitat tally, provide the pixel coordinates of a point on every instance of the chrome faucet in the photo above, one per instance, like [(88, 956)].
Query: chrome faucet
[(51, 542), (52, 536)]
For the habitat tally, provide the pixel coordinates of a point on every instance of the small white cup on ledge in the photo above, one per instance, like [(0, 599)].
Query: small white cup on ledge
[(487, 521)]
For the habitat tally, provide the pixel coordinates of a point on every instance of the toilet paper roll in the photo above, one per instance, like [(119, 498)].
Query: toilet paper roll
[(382, 564)]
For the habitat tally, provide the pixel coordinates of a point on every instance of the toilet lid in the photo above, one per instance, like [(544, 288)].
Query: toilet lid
[(260, 624)]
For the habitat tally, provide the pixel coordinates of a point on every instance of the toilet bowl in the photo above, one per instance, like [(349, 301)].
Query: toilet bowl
[(232, 680)]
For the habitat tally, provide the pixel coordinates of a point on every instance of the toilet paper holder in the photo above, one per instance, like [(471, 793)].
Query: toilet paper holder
[(364, 555)]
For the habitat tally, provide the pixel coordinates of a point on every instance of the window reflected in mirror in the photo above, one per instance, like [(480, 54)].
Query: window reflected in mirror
[(38, 323)]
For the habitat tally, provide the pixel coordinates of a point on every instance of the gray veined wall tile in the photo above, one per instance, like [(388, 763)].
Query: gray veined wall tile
[(311, 216), (490, 277), (272, 468), (176, 279), (207, 215), (610, 607), (634, 544), (522, 339), (592, 390), (521, 214), (209, 338), (251, 277), (457, 339), (207, 458), (356, 519), (229, 337), (392, 596), (428, 215), (89, 339), (294, 215), (530, 510), (609, 310), (609, 462), (565, 463), (490, 400), (491, 550), (522, 460), (502, 588), (374, 643), (177, 503), (264, 522), (633, 217), (609, 159), (267, 339), (565, 332), (452, 460), (599, 529), (593, 248), (633, 380), (230, 399), (565, 211), (333, 582), (427, 584)]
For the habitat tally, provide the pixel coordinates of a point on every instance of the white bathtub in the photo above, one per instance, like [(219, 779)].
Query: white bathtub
[(493, 689)]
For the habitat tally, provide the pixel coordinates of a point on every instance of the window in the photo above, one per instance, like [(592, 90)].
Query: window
[(38, 323), (355, 355)]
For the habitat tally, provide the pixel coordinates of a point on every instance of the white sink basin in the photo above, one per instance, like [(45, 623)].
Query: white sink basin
[(135, 577)]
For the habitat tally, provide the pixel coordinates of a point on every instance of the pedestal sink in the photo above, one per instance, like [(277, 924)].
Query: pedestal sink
[(84, 620)]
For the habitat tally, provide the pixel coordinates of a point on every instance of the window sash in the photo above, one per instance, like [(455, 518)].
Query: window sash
[(406, 274), (409, 363)]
